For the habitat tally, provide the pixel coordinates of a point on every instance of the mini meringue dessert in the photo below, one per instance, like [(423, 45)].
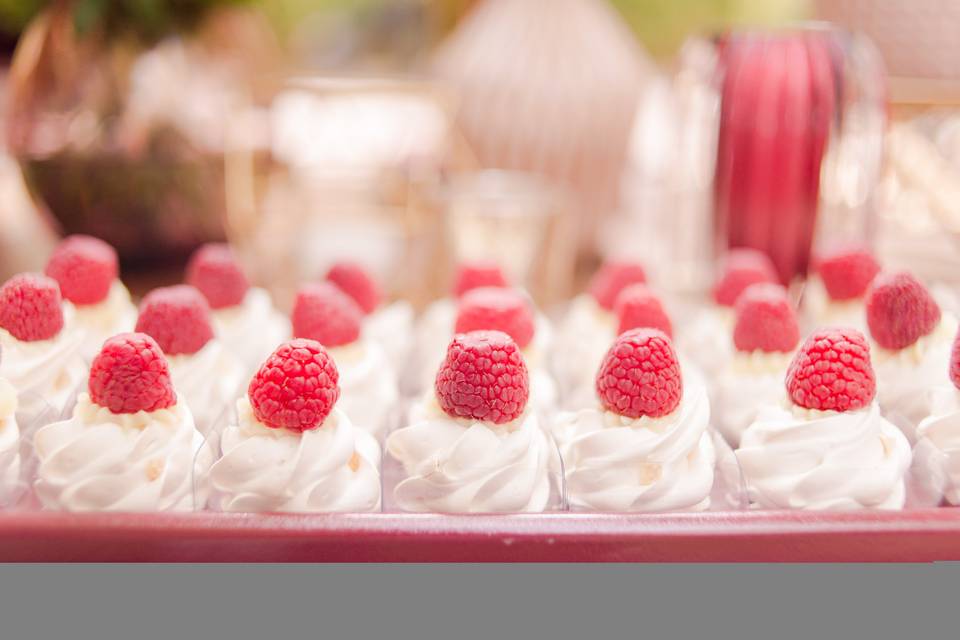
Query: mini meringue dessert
[(765, 335), (645, 444), (437, 325), (41, 345), (207, 374), (912, 346), (474, 445), (368, 387), (826, 445), (244, 317), (590, 325), (706, 337), (835, 295), (938, 435), (10, 458), (292, 448), (130, 443), (512, 312), (390, 325), (86, 269)]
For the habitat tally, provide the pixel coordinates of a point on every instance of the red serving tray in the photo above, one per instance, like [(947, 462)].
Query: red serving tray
[(914, 536)]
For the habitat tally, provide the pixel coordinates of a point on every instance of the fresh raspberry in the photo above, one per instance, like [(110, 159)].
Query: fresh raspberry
[(640, 375), (215, 271), (610, 280), (765, 320), (483, 377), (177, 317), (638, 307), (131, 374), (296, 387), (357, 283), (847, 271), (85, 267), (740, 269), (30, 307), (496, 309), (955, 362), (832, 371), (324, 313), (900, 310), (478, 273)]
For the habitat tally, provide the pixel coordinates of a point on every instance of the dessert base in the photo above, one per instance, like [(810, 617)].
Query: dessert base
[(922, 535)]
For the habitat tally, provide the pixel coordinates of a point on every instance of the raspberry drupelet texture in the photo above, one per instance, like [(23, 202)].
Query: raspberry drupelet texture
[(638, 307), (131, 374), (215, 271), (612, 278), (30, 307), (640, 375), (740, 269), (497, 309), (85, 268), (955, 362), (177, 317), (478, 273), (357, 283), (322, 312), (296, 388), (900, 310), (765, 320), (483, 377), (847, 271), (832, 371)]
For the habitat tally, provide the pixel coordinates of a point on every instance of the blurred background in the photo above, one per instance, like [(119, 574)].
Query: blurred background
[(546, 134)]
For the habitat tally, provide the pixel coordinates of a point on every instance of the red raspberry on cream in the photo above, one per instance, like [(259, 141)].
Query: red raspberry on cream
[(215, 271), (483, 377), (498, 309), (85, 268), (832, 372), (612, 278), (296, 388), (354, 280), (739, 269), (900, 310), (131, 374), (322, 312), (30, 307), (177, 317), (640, 375), (478, 273)]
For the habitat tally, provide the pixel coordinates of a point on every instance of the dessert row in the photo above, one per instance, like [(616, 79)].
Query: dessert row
[(206, 396)]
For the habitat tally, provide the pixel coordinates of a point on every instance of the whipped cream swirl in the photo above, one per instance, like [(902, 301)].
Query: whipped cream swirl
[(10, 459), (584, 336), (906, 376), (103, 461), (251, 329), (210, 380), (368, 389), (391, 327), (616, 463), (467, 466), (708, 338), (822, 310), (939, 434), (749, 381), (44, 372), (795, 458), (334, 467), (112, 315)]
